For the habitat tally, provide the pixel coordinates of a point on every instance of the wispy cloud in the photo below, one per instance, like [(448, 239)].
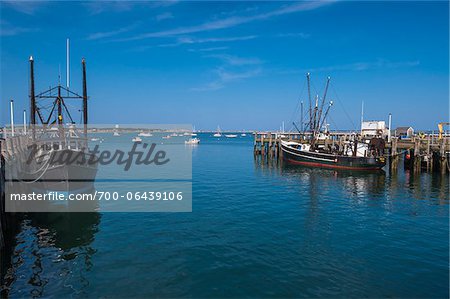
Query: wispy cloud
[(26, 7), (227, 77), (208, 49), (363, 66), (97, 7), (164, 16), (100, 35), (235, 60), (231, 21), (294, 34), (192, 40), (7, 29)]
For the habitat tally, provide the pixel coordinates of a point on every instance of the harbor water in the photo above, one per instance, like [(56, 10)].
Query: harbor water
[(257, 229)]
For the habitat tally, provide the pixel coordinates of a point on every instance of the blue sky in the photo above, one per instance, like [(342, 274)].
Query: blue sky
[(240, 65)]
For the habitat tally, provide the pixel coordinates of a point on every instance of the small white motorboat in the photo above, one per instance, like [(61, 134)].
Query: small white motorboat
[(116, 134), (230, 135), (143, 134), (137, 139), (243, 134), (192, 141), (95, 139), (167, 137), (193, 134)]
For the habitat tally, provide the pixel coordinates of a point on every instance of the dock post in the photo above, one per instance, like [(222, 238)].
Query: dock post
[(417, 158), (270, 150), (429, 155), (254, 144), (443, 156), (2, 193), (280, 152), (394, 155), (263, 150)]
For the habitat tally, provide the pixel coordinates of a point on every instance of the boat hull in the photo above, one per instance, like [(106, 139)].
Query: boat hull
[(313, 159), (75, 176)]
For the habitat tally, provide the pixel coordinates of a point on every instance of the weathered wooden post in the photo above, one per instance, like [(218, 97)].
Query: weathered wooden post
[(429, 155), (417, 158), (443, 156), (2, 193), (255, 143), (270, 145), (280, 151), (263, 151), (394, 155)]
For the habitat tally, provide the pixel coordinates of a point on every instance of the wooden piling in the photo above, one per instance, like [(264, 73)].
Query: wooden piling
[(443, 157), (417, 157), (394, 156)]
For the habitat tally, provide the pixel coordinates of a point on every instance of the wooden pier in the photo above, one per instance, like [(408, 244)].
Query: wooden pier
[(418, 153)]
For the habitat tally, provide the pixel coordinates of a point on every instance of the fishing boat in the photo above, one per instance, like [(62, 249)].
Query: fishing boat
[(218, 134), (230, 135), (137, 139), (192, 141), (58, 158), (316, 149)]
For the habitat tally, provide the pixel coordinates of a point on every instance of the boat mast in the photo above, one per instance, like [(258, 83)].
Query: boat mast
[(323, 103), (315, 121), (85, 97), (310, 103), (11, 109), (326, 113), (362, 116), (32, 99), (301, 117), (67, 65)]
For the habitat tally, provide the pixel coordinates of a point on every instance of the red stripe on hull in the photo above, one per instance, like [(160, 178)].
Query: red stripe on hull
[(312, 164)]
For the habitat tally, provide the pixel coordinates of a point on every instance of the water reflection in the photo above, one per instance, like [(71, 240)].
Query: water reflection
[(362, 184), (57, 243)]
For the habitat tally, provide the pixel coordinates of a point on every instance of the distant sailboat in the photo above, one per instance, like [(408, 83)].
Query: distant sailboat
[(218, 134), (231, 135), (116, 131)]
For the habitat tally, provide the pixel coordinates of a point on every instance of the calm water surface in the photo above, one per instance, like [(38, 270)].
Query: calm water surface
[(256, 230)]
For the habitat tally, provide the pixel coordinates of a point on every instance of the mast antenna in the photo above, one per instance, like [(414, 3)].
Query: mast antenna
[(67, 65), (362, 115)]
